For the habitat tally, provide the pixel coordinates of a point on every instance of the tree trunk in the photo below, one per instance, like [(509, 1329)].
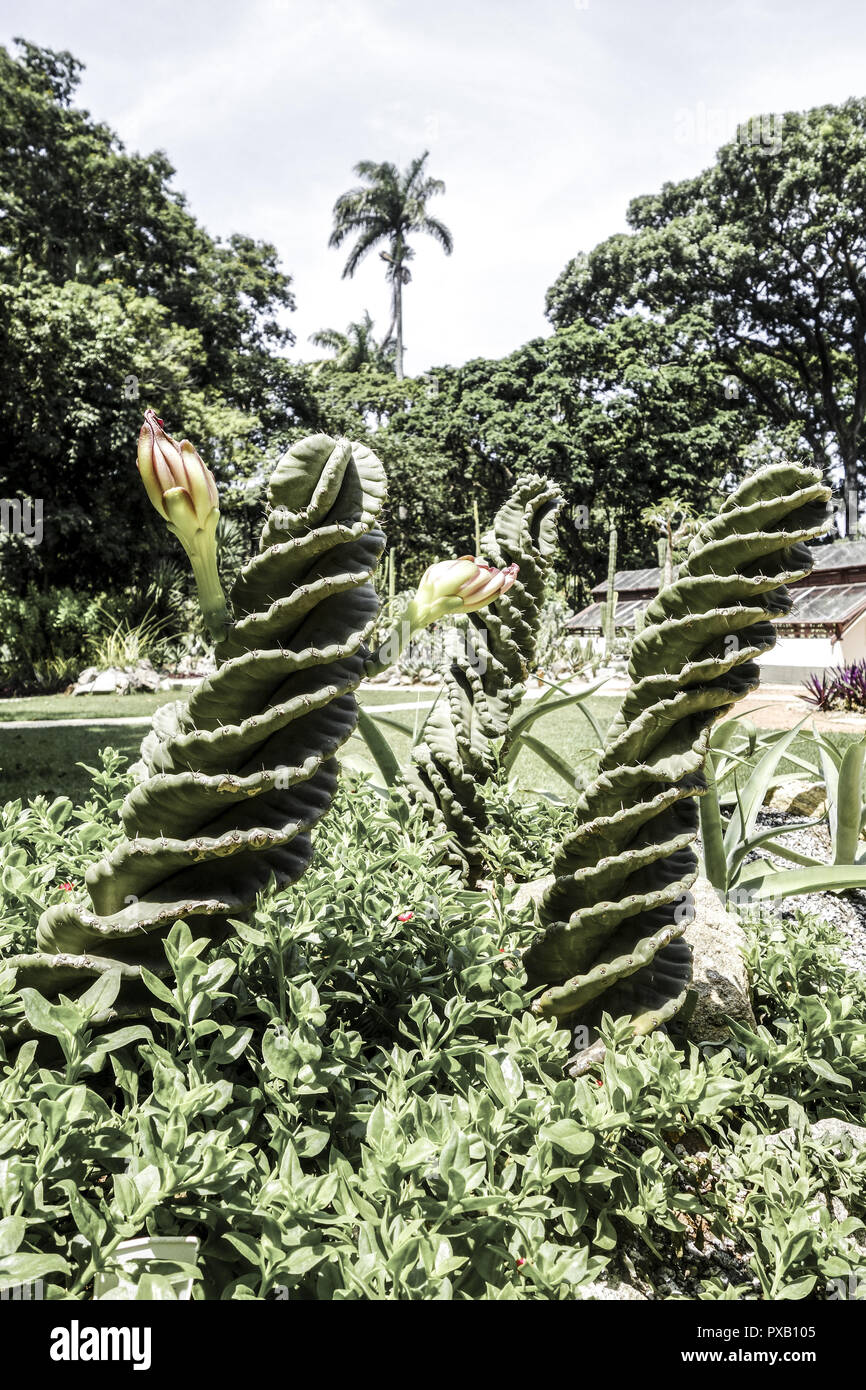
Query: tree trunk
[(398, 314), (852, 497)]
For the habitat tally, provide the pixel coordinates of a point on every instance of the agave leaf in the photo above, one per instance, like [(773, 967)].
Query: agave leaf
[(742, 822), (847, 810), (712, 833), (826, 878), (553, 759), (383, 753)]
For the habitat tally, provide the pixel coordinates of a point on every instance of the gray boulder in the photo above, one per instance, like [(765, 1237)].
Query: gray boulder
[(720, 977), (796, 797)]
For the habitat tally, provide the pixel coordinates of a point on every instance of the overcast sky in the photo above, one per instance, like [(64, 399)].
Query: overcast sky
[(544, 117)]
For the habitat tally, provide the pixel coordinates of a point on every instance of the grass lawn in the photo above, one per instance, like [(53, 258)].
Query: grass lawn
[(85, 706), (45, 761), (570, 734), (567, 731), (118, 706)]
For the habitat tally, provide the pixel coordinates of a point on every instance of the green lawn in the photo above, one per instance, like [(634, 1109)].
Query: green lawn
[(116, 706), (567, 731), (85, 706), (45, 761)]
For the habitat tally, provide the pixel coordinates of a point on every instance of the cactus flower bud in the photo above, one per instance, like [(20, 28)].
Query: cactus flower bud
[(182, 489), (457, 586)]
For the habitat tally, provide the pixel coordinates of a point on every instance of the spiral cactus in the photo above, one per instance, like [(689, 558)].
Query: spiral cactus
[(234, 780), (484, 683), (619, 902)]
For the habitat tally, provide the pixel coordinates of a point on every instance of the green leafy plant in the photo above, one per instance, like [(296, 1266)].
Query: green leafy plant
[(842, 771), (741, 767), (348, 1098), (45, 637), (619, 904), (120, 642)]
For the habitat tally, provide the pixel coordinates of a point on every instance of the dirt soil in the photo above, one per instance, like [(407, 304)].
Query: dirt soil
[(780, 707)]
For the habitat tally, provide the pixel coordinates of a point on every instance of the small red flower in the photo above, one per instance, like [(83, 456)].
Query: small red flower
[(502, 950), (67, 887), (599, 1083), (520, 1263), (405, 916)]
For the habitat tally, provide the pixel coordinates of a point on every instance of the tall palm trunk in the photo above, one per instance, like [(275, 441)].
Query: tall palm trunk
[(398, 316)]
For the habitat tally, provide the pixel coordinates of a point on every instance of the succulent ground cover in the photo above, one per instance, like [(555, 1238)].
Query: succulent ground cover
[(349, 1098)]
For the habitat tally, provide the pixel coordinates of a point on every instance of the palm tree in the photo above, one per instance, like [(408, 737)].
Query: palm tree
[(389, 207), (356, 347), (676, 522)]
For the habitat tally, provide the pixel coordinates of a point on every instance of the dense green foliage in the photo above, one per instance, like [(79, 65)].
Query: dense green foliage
[(113, 298), (763, 255), (340, 1104)]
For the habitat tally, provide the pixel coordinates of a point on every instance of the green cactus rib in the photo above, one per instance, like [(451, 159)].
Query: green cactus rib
[(233, 782), (484, 682), (619, 901)]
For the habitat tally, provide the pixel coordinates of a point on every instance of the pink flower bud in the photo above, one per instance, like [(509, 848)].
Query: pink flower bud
[(177, 480), (458, 586)]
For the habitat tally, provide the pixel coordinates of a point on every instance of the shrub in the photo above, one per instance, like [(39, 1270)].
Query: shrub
[(45, 637), (840, 687)]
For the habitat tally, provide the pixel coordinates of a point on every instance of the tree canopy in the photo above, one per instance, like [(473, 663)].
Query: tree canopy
[(113, 298), (769, 246)]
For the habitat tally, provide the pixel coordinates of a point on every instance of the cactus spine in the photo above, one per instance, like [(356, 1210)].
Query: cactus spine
[(615, 913)]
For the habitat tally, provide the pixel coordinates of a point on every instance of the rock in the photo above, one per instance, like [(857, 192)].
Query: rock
[(110, 682), (115, 681), (530, 892), (720, 977), (839, 1133), (143, 677), (612, 1289), (797, 797)]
